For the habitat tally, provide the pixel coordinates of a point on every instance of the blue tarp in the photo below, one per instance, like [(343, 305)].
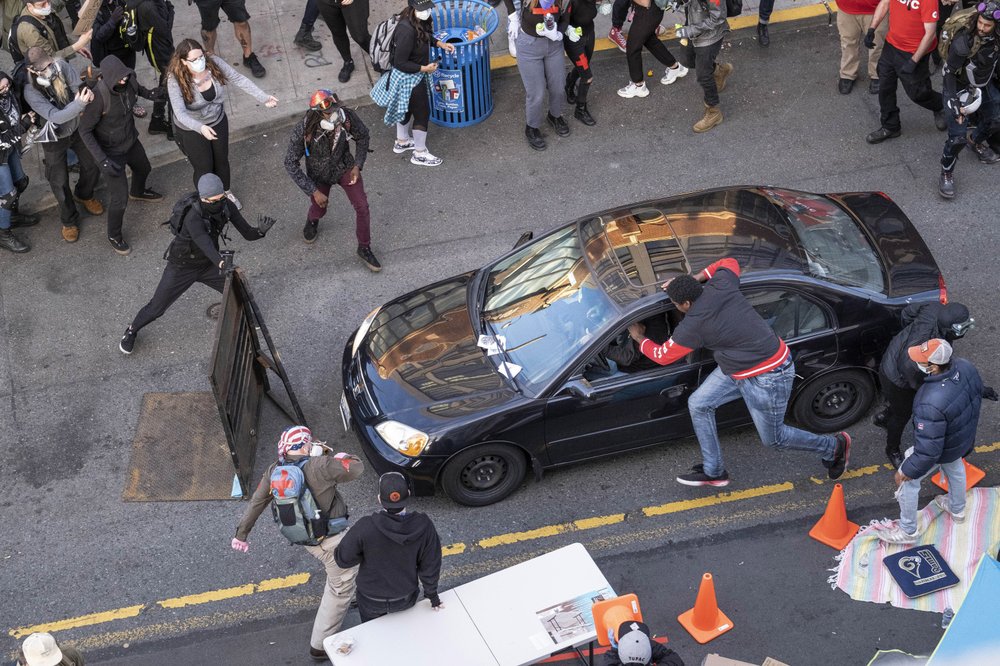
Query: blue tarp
[(973, 637)]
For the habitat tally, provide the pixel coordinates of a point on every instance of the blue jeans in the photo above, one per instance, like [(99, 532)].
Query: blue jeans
[(10, 173), (310, 15), (766, 396), (985, 118), (908, 492)]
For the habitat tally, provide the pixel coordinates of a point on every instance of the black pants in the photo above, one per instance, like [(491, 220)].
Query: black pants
[(57, 173), (619, 12), (764, 10), (118, 188), (643, 33), (419, 109), (702, 60), (580, 54), (917, 85), (340, 20), (175, 281), (207, 156), (899, 403), (370, 609)]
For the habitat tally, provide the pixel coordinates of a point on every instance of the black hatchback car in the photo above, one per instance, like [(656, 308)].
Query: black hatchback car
[(471, 381)]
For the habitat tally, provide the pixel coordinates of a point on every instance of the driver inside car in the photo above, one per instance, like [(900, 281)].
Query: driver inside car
[(623, 353)]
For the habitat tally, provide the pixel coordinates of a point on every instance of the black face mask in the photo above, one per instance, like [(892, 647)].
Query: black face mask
[(120, 87), (213, 207)]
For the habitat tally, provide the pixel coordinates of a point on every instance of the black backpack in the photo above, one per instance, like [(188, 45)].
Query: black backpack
[(734, 8), (129, 30), (12, 45), (180, 211)]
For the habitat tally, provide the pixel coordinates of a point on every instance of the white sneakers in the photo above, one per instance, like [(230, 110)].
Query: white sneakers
[(945, 505), (897, 535), (633, 90), (400, 147), (671, 75), (425, 159)]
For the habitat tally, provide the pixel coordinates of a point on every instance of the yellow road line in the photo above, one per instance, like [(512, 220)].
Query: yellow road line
[(82, 621), (551, 530), (721, 498), (986, 448), (855, 473), (282, 583), (207, 597), (735, 23), (453, 549)]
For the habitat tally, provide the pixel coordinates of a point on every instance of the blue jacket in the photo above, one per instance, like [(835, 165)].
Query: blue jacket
[(945, 417)]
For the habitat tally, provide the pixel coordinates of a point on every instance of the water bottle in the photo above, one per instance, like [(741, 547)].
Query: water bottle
[(947, 617)]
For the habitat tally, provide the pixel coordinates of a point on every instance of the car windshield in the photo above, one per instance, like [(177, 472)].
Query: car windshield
[(545, 305), (836, 249)]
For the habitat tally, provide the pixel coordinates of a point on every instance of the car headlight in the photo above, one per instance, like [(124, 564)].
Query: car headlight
[(363, 330), (403, 438)]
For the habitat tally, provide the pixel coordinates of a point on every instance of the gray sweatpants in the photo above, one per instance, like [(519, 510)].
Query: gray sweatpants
[(540, 62)]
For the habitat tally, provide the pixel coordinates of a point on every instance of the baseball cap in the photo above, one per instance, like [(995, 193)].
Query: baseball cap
[(935, 351), (421, 5), (393, 490), (633, 643), (41, 650)]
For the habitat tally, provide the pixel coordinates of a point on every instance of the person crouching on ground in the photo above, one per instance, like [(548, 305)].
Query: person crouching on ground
[(403, 90), (322, 137)]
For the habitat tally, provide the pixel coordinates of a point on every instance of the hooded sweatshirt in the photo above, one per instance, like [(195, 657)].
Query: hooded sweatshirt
[(394, 552), (921, 323), (107, 125), (43, 101)]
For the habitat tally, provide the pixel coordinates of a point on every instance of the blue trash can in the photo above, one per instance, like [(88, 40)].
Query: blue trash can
[(460, 88)]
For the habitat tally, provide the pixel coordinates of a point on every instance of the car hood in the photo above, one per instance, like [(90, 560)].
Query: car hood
[(911, 267), (420, 356)]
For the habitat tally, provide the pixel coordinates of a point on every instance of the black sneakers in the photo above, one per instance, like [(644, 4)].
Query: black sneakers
[(697, 477), (345, 72), (582, 114), (881, 134), (369, 259), (128, 341), (559, 124), (120, 246), (310, 231), (535, 138), (254, 65), (146, 195), (845, 86), (318, 655), (946, 184), (841, 455)]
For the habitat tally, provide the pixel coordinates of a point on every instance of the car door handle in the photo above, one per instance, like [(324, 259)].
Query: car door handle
[(674, 391)]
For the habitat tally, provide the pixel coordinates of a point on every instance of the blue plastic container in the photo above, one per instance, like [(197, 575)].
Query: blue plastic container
[(460, 88)]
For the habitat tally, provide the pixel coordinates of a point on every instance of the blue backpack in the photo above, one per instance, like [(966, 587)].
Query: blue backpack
[(293, 506)]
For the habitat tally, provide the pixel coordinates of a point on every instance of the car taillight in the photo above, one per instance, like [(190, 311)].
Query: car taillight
[(942, 290)]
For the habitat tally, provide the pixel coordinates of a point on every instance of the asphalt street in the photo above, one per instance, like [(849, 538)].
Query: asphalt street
[(72, 548)]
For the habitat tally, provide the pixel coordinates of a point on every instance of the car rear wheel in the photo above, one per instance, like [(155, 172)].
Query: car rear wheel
[(483, 474), (834, 401)]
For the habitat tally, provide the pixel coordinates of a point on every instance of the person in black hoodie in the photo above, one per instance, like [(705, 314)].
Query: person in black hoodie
[(899, 376), (193, 255), (154, 20), (322, 137), (108, 39), (394, 549), (107, 128)]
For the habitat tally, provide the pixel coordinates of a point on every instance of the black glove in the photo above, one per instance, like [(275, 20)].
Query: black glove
[(908, 66), (116, 15), (870, 38), (434, 599), (111, 168), (990, 393), (264, 224)]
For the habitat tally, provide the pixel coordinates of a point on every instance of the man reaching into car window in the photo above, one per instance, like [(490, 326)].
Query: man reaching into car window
[(753, 363)]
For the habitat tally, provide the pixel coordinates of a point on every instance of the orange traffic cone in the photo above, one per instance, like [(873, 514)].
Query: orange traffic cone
[(705, 621), (833, 528), (973, 475), (611, 613)]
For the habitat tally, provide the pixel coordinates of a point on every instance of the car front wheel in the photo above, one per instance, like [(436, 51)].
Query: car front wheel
[(834, 401), (483, 474)]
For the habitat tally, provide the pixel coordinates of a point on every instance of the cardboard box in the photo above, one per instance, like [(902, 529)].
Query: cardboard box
[(716, 660)]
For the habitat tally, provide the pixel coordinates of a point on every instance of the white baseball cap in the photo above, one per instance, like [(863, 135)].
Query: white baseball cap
[(41, 650)]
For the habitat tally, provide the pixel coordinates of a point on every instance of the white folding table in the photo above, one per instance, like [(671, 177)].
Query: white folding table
[(491, 620)]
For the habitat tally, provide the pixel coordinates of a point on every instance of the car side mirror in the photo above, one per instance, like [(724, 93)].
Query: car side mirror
[(525, 237), (580, 388)]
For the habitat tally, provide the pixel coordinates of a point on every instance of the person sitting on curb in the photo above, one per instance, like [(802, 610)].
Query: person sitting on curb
[(945, 419), (42, 650)]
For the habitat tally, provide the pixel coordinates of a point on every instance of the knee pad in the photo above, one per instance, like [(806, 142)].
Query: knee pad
[(21, 185), (9, 200)]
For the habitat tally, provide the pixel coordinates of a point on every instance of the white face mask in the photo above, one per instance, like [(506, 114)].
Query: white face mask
[(926, 369), (43, 81), (422, 14), (197, 66), (316, 451), (41, 11), (328, 125)]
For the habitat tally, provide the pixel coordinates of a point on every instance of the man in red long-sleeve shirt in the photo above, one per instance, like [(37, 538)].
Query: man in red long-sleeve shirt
[(754, 364)]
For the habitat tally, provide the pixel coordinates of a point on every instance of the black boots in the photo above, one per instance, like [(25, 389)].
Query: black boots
[(583, 115), (345, 72), (9, 241), (763, 38), (535, 138), (304, 38), (571, 80)]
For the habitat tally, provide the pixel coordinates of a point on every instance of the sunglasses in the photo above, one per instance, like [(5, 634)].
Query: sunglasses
[(324, 104), (995, 13)]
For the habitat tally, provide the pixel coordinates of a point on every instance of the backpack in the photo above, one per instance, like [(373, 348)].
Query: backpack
[(381, 47), (734, 8), (129, 29), (293, 506), (180, 211), (954, 24), (12, 45)]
